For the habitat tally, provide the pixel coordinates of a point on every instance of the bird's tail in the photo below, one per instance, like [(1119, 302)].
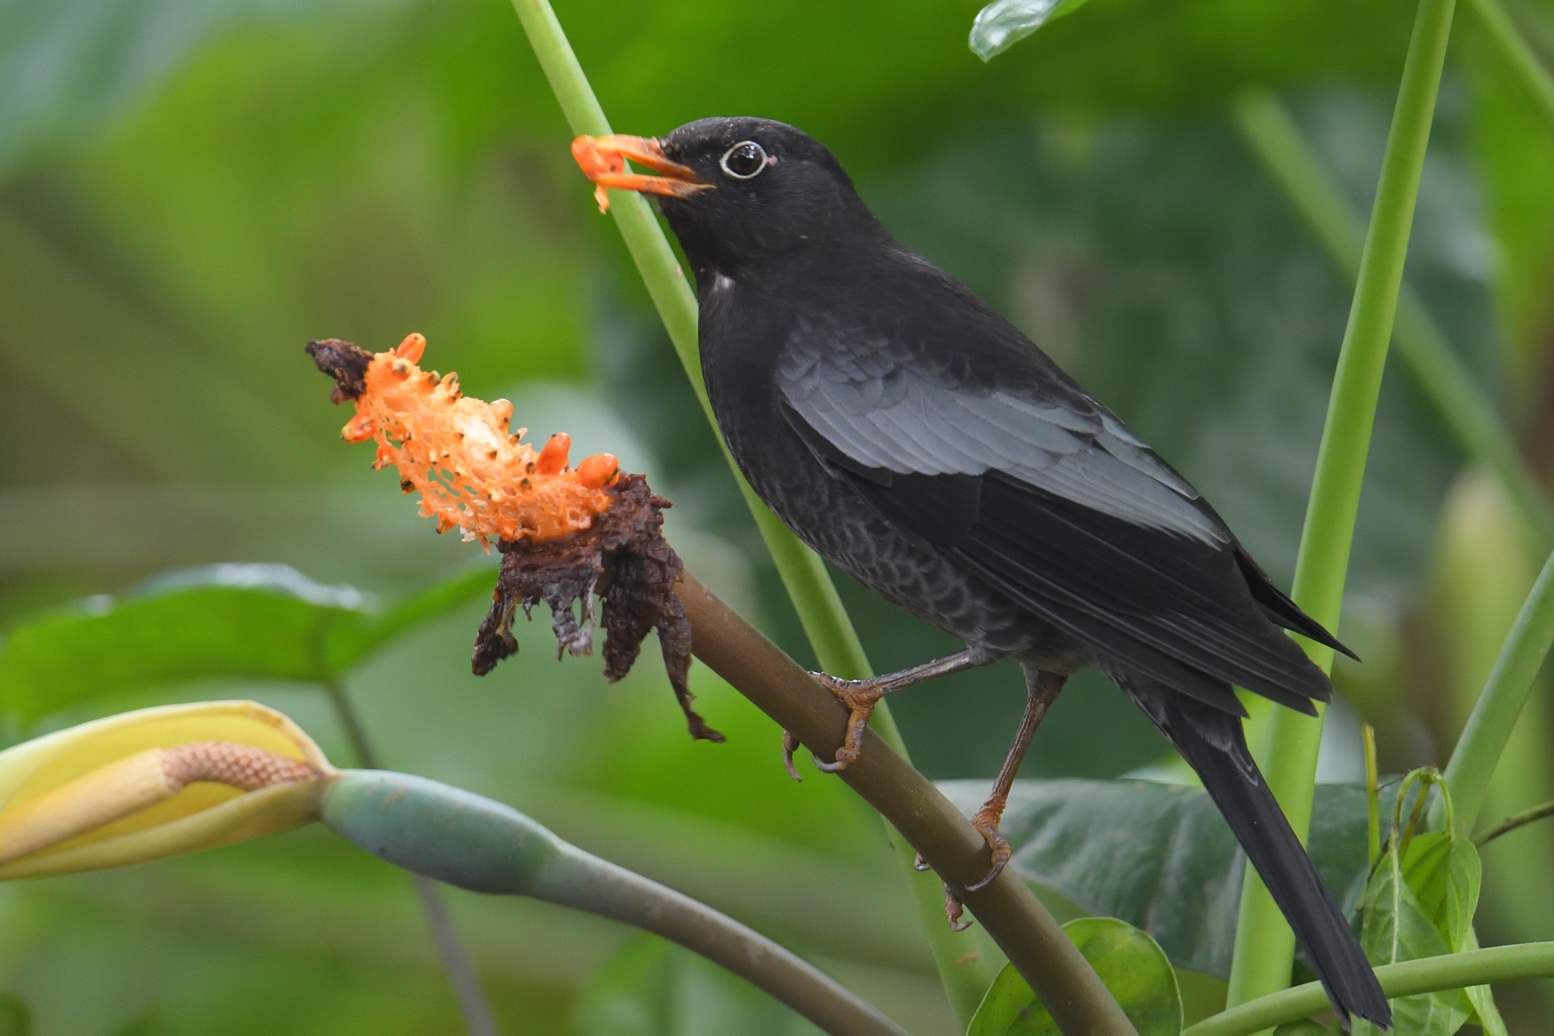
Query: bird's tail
[(1214, 743)]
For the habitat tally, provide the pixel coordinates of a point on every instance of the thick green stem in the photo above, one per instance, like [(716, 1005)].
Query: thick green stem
[(456, 961), (1499, 704), (1265, 946), (1448, 971), (1517, 55), (452, 835), (1463, 408), (830, 632)]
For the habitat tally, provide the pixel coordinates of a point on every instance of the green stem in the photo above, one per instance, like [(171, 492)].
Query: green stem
[(1447, 385), (1448, 971), (1505, 692), (1372, 796), (1517, 55), (456, 961), (825, 622), (1265, 946), (1511, 823), (475, 843)]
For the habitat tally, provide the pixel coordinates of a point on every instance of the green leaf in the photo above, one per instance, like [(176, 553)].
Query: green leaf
[(1444, 874), (1159, 856), (653, 987), (266, 621), (1003, 23), (1396, 928), (1129, 962)]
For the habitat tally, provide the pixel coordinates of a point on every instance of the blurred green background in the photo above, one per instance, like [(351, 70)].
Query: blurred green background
[(189, 191)]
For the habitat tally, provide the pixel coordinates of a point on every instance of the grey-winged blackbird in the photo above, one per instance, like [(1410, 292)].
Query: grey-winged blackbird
[(917, 440)]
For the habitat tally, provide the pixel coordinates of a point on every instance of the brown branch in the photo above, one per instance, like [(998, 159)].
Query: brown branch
[(1007, 909)]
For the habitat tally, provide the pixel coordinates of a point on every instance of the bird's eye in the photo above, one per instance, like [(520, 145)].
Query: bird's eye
[(744, 161)]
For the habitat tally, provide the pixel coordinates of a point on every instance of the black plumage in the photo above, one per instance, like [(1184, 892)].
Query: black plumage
[(916, 439)]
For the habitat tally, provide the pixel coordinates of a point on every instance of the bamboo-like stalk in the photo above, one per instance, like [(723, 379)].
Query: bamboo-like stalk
[(1265, 946), (1426, 975), (1501, 701), (808, 584), (1460, 405)]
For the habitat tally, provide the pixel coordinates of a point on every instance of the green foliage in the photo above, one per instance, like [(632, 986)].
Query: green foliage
[(1419, 902), (1158, 856), (1131, 964), (1397, 928), (266, 621)]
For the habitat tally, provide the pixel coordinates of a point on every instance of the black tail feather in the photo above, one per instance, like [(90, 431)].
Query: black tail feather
[(1213, 742), (1278, 606)]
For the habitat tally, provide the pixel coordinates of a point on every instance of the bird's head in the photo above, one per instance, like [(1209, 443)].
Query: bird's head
[(737, 192)]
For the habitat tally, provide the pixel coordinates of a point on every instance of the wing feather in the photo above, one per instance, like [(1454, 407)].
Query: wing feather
[(1074, 517)]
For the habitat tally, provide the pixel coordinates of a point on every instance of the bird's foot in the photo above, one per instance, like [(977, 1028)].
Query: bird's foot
[(859, 697), (985, 820)]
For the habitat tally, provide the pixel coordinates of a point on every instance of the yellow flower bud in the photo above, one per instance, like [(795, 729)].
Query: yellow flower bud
[(153, 783)]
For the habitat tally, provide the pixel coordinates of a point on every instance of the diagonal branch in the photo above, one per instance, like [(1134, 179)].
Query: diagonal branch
[(1007, 908)]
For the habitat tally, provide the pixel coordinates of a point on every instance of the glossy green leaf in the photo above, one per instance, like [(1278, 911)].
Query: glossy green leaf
[(1444, 874), (1003, 23), (1159, 856), (1129, 962), (267, 621), (653, 987)]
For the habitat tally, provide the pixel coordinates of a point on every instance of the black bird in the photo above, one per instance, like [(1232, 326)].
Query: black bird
[(917, 440)]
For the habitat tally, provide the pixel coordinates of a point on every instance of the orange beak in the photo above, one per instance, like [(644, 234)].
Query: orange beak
[(603, 160)]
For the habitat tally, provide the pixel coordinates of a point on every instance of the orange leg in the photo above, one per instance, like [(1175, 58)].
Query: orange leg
[(860, 696), (1041, 690)]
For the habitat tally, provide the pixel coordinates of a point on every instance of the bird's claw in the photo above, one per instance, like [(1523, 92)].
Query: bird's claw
[(859, 698), (953, 910), (986, 822), (790, 744), (999, 851)]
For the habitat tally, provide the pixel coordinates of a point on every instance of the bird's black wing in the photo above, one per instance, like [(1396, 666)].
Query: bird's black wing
[(995, 457)]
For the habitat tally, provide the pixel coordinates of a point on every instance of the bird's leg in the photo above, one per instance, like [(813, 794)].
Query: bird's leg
[(1041, 690), (860, 697)]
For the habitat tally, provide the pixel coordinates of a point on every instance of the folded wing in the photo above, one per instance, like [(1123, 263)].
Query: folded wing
[(999, 460)]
